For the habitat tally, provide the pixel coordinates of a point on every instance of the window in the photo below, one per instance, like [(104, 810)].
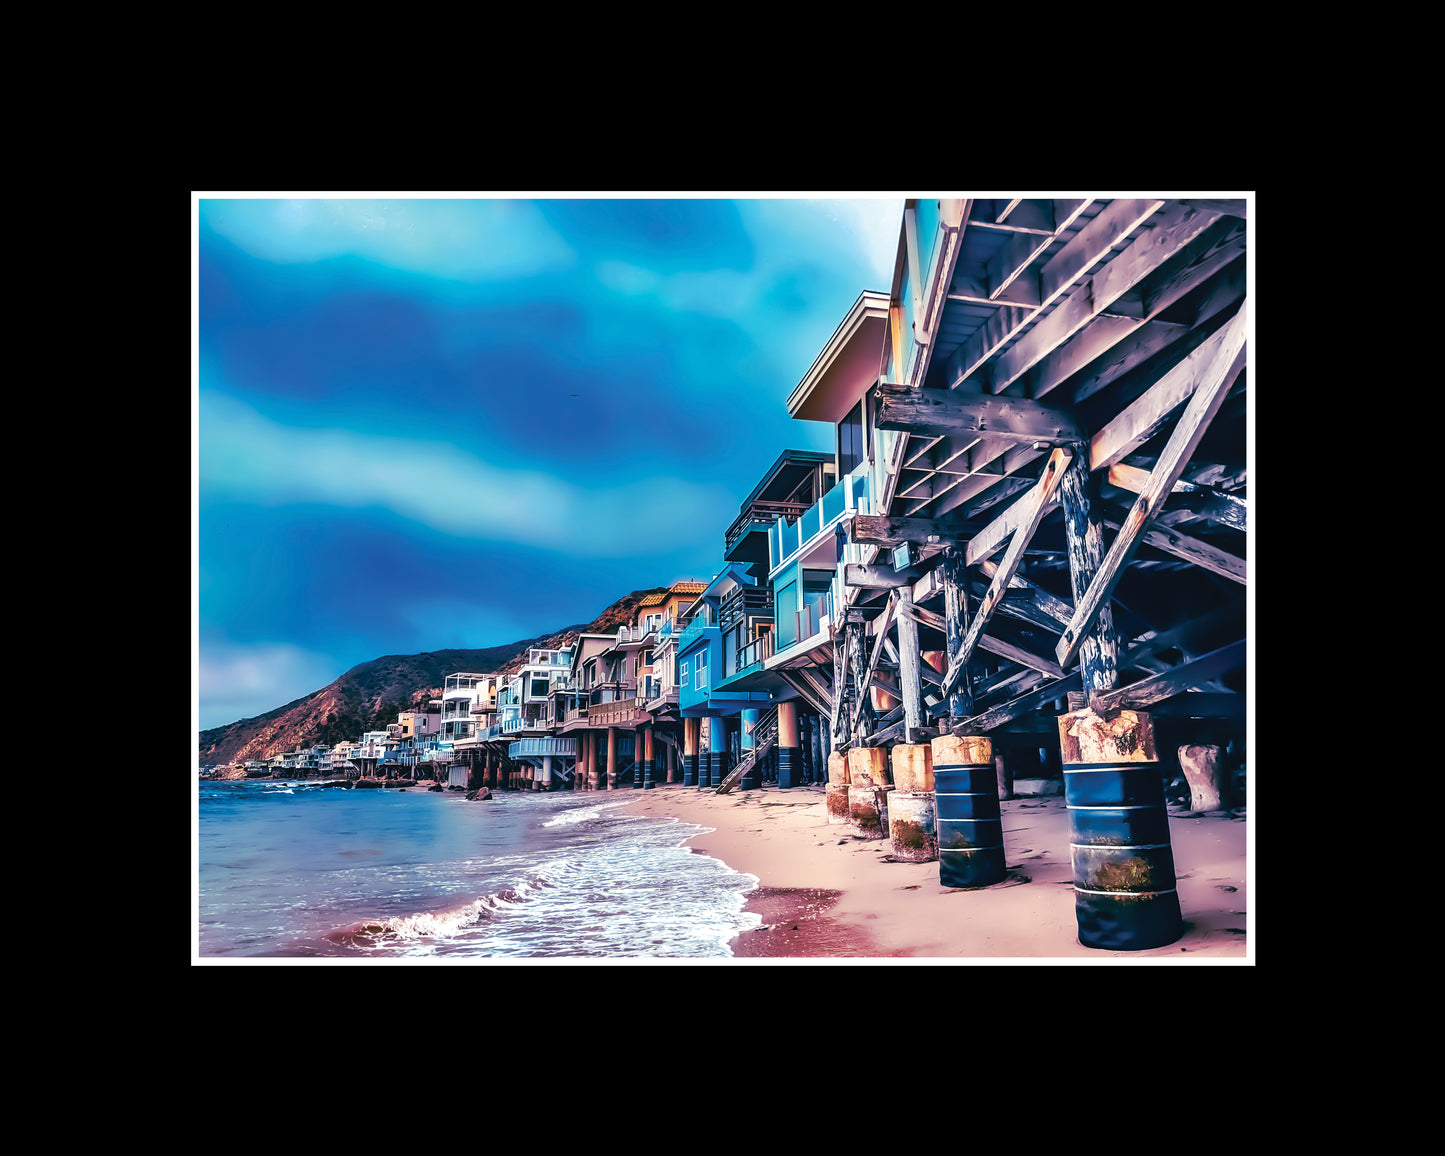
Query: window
[(702, 672), (850, 440)]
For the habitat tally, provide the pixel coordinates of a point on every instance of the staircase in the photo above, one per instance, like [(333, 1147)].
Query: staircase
[(765, 735)]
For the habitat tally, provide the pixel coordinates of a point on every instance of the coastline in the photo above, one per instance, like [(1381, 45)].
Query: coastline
[(825, 895)]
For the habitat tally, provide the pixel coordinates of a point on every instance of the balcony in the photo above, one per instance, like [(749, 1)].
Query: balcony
[(692, 631), (619, 712), (849, 496), (746, 602), (758, 651), (542, 747)]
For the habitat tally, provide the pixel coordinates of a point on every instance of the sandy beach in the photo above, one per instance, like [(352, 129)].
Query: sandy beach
[(826, 894)]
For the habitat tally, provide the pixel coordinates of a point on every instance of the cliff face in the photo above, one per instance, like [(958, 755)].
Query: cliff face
[(369, 696)]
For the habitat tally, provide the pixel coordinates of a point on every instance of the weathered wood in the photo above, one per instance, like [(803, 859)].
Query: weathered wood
[(923, 617), (1037, 502), (997, 716), (1020, 655), (1232, 208), (1215, 377), (1090, 245), (867, 676), (1186, 676), (1164, 237), (1056, 608), (1084, 535), (842, 704), (909, 678), (1143, 418), (1206, 501), (951, 413), (877, 577), (955, 616), (1201, 554), (883, 530)]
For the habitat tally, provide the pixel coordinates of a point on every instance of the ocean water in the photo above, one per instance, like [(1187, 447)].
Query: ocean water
[(294, 870)]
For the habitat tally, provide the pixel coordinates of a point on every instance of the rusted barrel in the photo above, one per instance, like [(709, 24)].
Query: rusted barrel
[(913, 767), (867, 766), (868, 811), (912, 826), (970, 825), (838, 802), (1125, 893)]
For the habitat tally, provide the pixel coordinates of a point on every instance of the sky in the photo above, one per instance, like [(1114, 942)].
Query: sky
[(424, 422)]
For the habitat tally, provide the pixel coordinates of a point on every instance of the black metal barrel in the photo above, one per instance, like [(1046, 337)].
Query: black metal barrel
[(1125, 893), (689, 770), (969, 823)]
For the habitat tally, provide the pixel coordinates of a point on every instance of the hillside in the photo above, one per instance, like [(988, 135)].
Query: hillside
[(370, 695)]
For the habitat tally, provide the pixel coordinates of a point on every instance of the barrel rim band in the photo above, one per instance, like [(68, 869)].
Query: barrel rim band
[(1123, 846), (1115, 807), (1081, 768), (1089, 891)]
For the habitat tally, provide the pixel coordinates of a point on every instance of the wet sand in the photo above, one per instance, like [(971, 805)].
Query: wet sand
[(825, 894)]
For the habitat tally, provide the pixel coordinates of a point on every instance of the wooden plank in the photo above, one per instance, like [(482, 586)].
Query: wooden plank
[(1056, 608), (997, 716), (1232, 208), (951, 413), (1186, 676), (954, 568), (1116, 221), (1140, 420), (1166, 235), (1201, 554), (889, 531), (877, 577), (1206, 501), (992, 537), (1081, 351), (1039, 501), (867, 678), (1084, 536), (1213, 379), (909, 679), (1021, 656)]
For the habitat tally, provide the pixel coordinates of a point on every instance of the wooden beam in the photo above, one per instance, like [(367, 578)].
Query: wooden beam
[(1038, 502), (877, 577), (867, 679), (1021, 656), (951, 413), (1056, 608), (997, 716), (1143, 418), (1232, 208), (1164, 237), (1084, 537), (954, 572), (992, 537), (884, 530), (1186, 676), (910, 681), (1206, 501), (1192, 550), (1211, 382)]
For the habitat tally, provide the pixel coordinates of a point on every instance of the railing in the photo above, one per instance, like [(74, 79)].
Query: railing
[(850, 493), (692, 631), (615, 713), (810, 618), (746, 601), (761, 512), (760, 649)]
